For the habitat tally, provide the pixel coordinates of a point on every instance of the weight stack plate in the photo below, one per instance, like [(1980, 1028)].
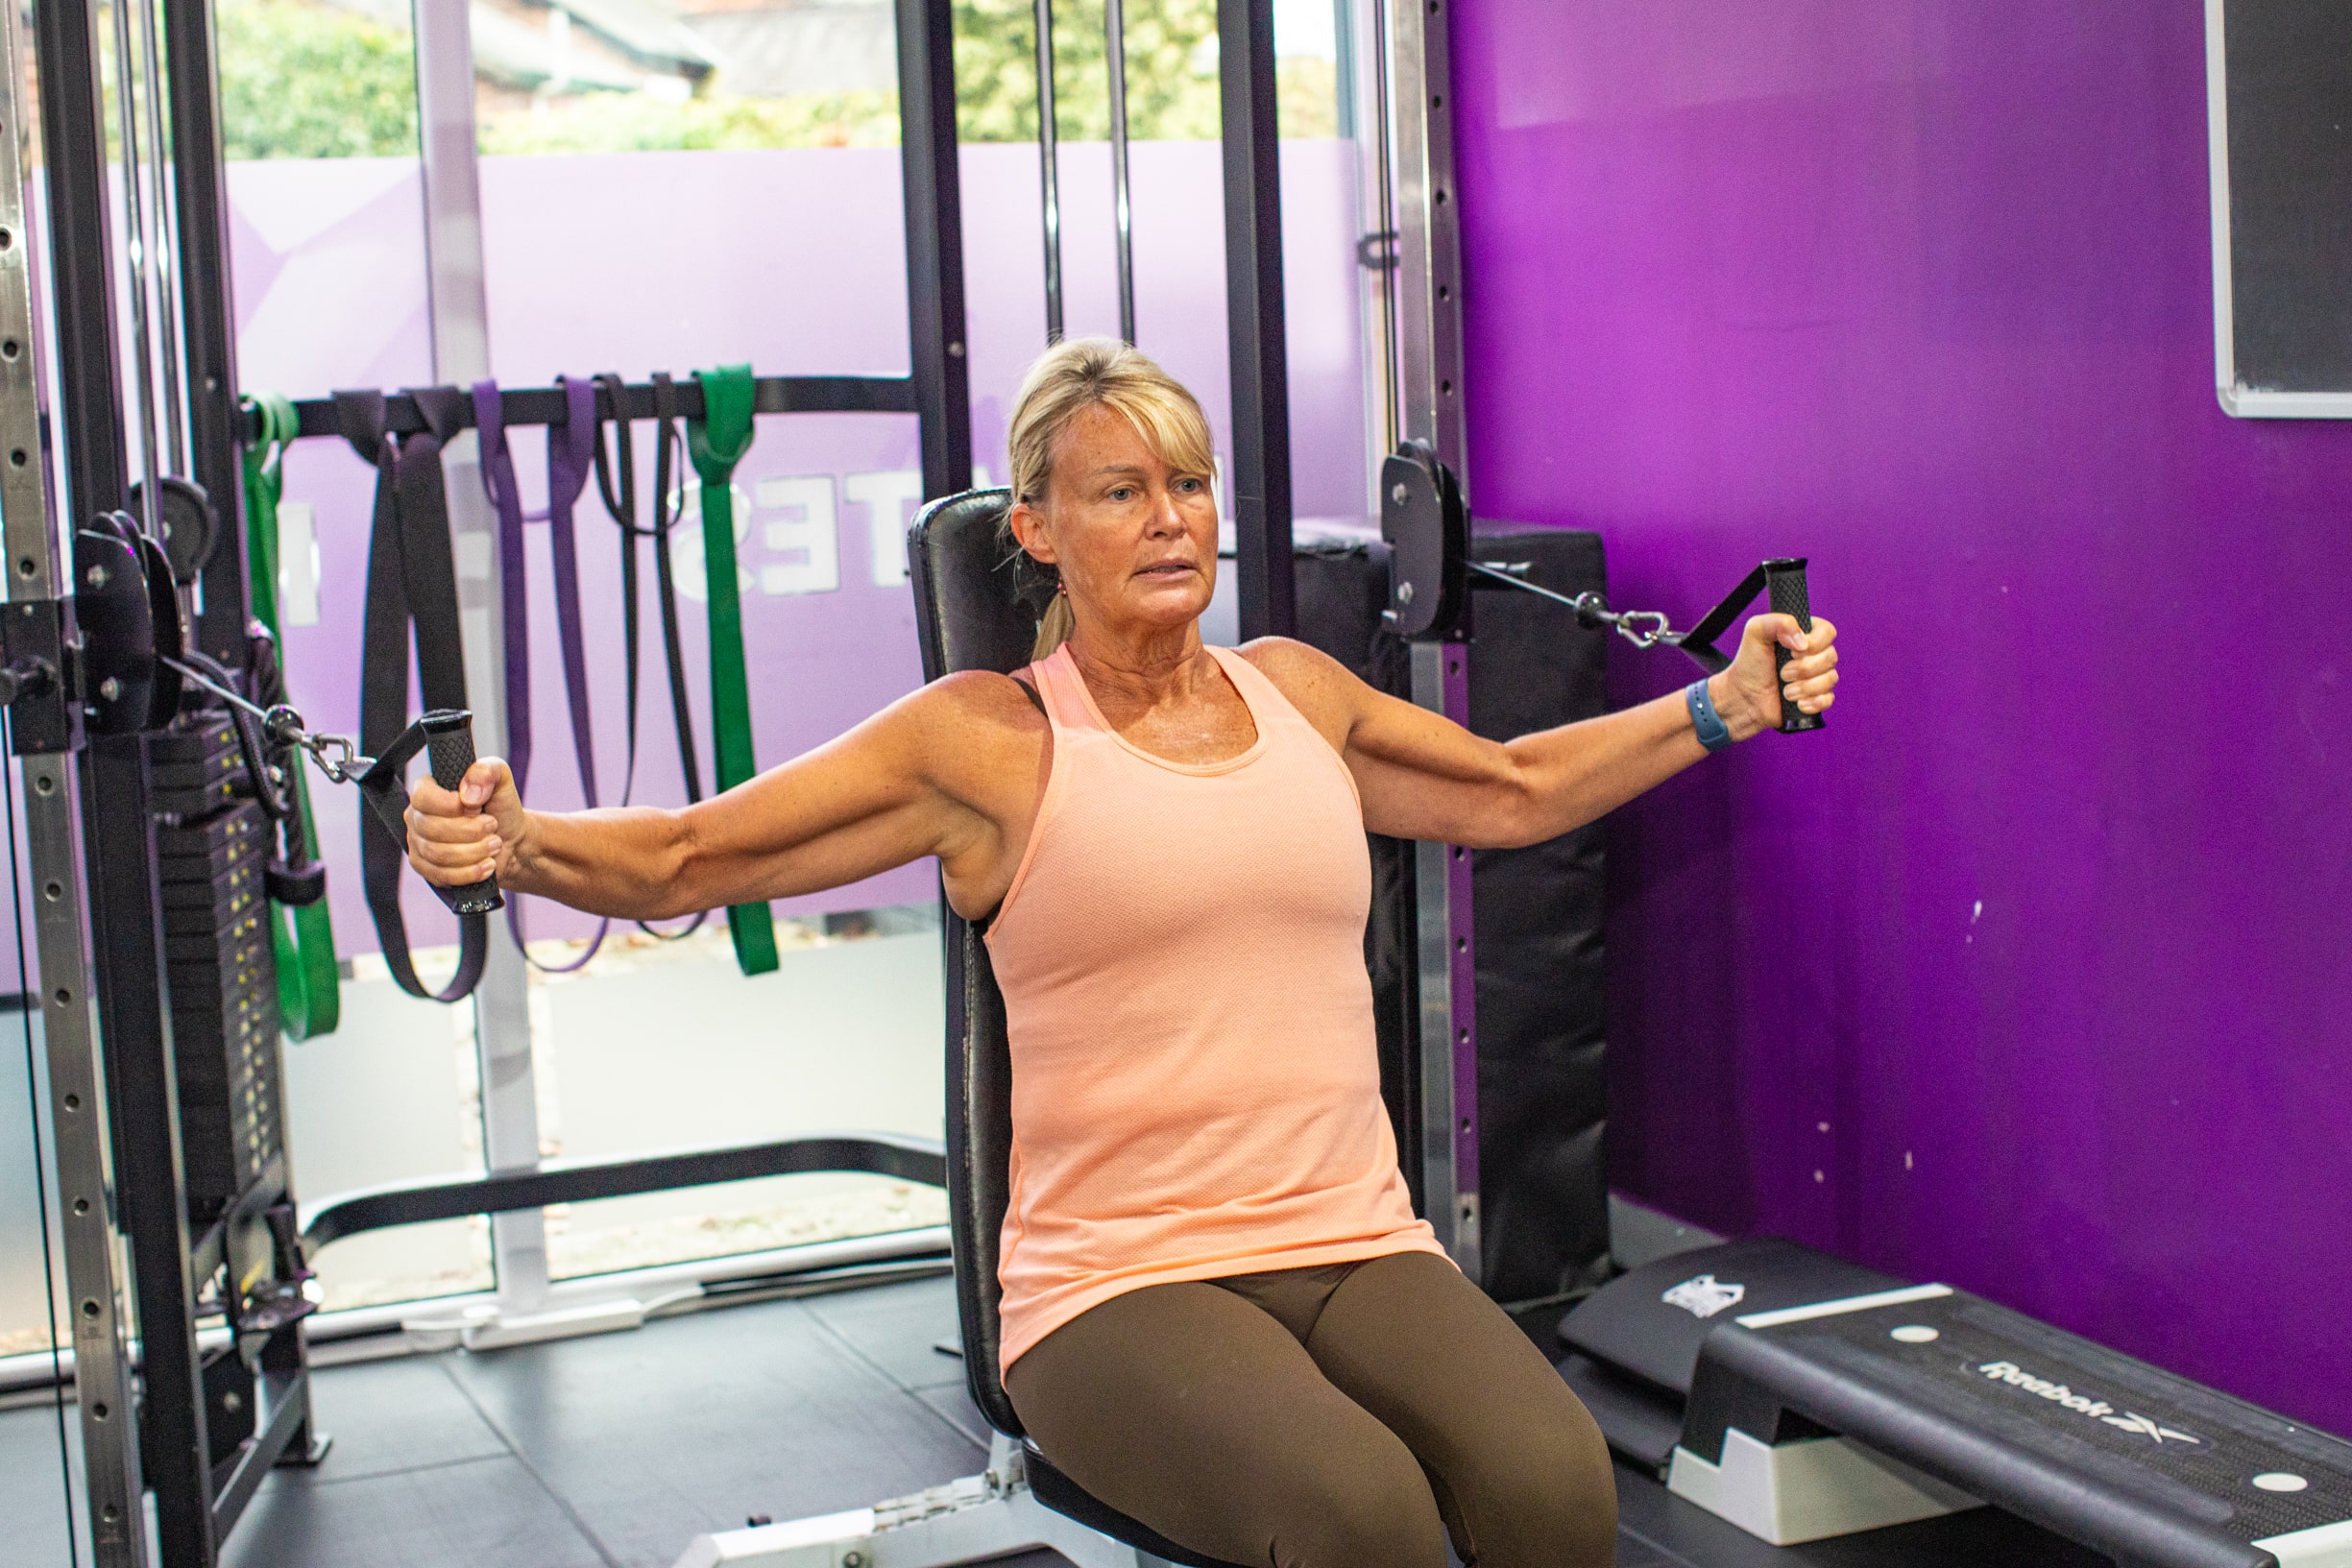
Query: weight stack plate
[(212, 846)]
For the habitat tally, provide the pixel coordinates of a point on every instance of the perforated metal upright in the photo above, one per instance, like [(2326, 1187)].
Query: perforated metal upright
[(1429, 285), (46, 737)]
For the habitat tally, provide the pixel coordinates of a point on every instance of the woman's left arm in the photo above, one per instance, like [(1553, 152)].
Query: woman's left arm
[(1422, 776)]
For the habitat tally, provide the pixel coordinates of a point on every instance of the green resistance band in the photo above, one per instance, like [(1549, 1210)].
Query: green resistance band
[(719, 441), (310, 1000)]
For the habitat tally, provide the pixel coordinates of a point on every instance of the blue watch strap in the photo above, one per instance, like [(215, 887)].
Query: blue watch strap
[(1713, 734)]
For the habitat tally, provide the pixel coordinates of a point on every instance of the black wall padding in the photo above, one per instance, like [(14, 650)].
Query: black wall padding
[(1543, 1097), (1543, 1100)]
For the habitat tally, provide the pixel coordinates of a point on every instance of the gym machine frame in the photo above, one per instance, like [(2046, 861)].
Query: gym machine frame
[(92, 622)]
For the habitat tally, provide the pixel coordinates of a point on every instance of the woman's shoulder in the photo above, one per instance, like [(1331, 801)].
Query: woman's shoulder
[(982, 697), (1324, 692)]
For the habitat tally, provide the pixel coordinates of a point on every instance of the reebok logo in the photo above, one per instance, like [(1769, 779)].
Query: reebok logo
[(2098, 1409), (1702, 1296)]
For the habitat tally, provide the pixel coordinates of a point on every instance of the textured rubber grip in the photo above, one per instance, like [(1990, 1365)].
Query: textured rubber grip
[(1785, 582), (449, 751)]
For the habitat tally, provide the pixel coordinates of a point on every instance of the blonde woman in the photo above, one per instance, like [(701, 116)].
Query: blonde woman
[(1220, 1314)]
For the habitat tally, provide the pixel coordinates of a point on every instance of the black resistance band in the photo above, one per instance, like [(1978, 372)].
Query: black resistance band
[(412, 582)]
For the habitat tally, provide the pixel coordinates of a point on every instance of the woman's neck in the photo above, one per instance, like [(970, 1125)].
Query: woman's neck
[(1148, 669)]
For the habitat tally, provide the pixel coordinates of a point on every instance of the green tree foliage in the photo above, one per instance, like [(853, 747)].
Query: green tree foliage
[(1171, 70), (300, 81)]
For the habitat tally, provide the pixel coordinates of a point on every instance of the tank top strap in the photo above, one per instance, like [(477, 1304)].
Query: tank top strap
[(1057, 679), (1267, 703)]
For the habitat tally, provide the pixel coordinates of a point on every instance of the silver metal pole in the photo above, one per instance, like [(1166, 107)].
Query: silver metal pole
[(1429, 333), (164, 252), (142, 260), (37, 570), (460, 313), (1049, 155), (1114, 48)]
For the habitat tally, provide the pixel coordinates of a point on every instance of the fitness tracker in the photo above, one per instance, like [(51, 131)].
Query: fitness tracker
[(1713, 734)]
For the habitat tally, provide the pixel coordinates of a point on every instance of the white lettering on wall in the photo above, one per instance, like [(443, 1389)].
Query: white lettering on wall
[(796, 525), (298, 564), (889, 498)]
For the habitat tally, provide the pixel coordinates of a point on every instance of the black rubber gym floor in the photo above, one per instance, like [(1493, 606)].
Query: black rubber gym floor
[(613, 1451)]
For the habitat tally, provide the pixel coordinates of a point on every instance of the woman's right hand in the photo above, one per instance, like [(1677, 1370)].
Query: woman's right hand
[(457, 837)]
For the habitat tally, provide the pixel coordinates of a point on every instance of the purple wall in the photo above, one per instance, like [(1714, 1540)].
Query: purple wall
[(2028, 974)]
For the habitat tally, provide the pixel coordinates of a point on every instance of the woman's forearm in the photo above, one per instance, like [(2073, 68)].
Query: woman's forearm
[(1579, 773), (629, 862)]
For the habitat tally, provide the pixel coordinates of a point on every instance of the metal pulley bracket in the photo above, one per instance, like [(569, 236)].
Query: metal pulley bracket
[(127, 608), (1427, 528)]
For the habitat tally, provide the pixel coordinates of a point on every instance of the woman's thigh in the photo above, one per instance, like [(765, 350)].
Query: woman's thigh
[(1191, 1411), (1521, 1472)]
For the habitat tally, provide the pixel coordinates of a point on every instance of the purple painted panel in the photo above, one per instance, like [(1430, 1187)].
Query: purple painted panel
[(793, 261), (2029, 974)]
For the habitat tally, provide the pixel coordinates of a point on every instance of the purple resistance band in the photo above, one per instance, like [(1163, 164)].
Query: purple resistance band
[(570, 452)]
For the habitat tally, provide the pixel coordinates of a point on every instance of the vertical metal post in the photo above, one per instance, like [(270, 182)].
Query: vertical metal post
[(161, 241), (1255, 321), (208, 316), (142, 257), (933, 189), (1123, 216), (97, 1297), (460, 314), (1048, 159), (1428, 323)]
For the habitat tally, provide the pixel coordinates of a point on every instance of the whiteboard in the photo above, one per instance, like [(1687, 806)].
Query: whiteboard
[(2279, 108)]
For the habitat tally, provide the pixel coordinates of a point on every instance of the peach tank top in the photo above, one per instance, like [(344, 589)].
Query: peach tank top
[(1195, 1090)]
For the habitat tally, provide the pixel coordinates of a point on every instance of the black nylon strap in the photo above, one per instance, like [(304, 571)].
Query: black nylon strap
[(412, 581), (616, 484), (1700, 641)]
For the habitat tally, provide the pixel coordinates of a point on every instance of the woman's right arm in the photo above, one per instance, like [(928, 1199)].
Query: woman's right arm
[(939, 772)]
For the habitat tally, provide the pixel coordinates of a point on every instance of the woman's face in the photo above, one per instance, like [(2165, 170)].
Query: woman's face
[(1135, 540)]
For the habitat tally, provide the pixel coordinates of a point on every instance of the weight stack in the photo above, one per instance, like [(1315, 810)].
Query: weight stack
[(211, 847)]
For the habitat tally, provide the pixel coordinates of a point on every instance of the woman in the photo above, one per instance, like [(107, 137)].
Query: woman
[(1220, 1314)]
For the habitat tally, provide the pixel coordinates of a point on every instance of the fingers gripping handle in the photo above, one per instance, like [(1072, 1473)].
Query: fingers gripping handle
[(446, 735), (449, 749), (1784, 581)]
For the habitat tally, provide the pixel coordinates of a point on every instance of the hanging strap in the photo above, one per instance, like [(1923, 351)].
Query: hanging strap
[(514, 581), (719, 441), (616, 484), (569, 448), (309, 998), (412, 580)]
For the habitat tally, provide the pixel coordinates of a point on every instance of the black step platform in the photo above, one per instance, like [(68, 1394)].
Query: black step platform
[(1973, 1401)]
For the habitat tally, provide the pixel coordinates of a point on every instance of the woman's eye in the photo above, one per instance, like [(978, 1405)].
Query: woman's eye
[(1123, 492), (1189, 486)]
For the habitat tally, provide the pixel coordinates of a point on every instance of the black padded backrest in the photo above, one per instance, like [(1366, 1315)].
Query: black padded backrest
[(977, 602)]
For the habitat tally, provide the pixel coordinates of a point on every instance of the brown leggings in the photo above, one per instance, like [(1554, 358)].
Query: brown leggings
[(1348, 1416)]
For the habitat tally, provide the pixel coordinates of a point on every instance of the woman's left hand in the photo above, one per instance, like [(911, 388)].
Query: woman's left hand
[(1749, 694)]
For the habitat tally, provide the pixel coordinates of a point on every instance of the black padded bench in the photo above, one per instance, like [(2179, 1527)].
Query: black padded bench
[(1869, 1401)]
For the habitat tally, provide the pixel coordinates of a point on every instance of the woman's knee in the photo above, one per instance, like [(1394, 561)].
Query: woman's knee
[(1361, 1510), (1550, 1502)]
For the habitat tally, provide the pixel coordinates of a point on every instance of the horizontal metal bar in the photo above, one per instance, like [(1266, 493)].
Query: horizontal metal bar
[(547, 405), (719, 1275), (285, 1398), (921, 1160)]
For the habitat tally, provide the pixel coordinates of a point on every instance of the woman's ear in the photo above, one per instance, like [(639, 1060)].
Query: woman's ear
[(1028, 526)]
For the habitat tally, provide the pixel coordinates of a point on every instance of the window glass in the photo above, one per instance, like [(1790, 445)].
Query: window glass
[(748, 157), (319, 122), (39, 1488)]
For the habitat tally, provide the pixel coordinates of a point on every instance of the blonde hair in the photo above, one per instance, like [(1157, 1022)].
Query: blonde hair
[(1071, 378)]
